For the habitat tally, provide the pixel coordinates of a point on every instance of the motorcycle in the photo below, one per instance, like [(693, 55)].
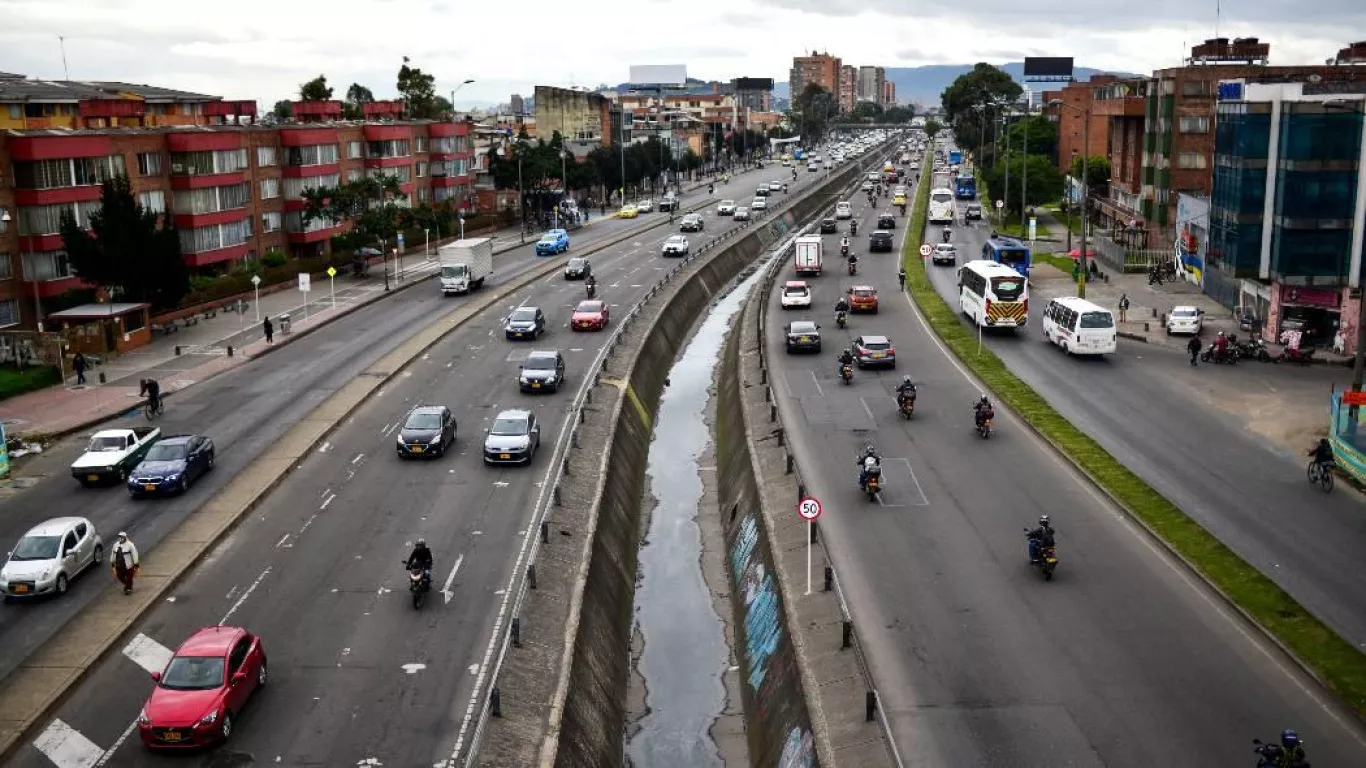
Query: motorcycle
[(853, 265), (1211, 355), (1048, 560), (711, 189), (419, 583), (906, 405), (853, 227), (1254, 350), (847, 373), (591, 289), (1274, 756), (948, 235), (841, 318), (1301, 355), (903, 211), (872, 483), (984, 421), (844, 250)]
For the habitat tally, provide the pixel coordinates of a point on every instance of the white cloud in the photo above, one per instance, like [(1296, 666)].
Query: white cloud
[(264, 49)]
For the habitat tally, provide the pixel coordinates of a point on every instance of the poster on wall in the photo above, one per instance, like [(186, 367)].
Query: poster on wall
[(1192, 230)]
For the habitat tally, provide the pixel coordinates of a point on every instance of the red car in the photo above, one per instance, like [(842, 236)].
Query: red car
[(202, 689), (590, 316)]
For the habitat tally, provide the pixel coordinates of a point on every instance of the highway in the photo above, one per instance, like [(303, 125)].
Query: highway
[(1237, 484), (355, 673), (1122, 659)]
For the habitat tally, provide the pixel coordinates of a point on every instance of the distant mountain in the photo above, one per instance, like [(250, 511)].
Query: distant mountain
[(924, 85)]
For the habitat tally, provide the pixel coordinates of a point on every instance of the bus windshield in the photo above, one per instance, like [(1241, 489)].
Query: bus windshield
[(1097, 320), (1012, 256), (941, 196), (1007, 288)]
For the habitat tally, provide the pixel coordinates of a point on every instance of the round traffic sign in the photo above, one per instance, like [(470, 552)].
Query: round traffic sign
[(809, 508), (1000, 203), (926, 250)]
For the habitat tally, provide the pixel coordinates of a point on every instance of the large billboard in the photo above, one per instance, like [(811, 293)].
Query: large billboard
[(1192, 237), (753, 83), (1044, 68), (659, 74)]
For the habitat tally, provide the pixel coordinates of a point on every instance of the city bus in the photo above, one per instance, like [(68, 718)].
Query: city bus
[(965, 187), (1079, 327), (941, 206), (955, 157), (993, 295), (1007, 251)]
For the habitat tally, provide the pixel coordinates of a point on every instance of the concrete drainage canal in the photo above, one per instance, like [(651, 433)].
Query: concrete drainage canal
[(684, 701)]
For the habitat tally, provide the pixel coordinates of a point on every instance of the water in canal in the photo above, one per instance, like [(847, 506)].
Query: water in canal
[(685, 652)]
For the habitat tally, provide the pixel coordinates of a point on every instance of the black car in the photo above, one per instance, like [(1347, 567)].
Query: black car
[(427, 431), (577, 268), (691, 223), (886, 221), (829, 227), (881, 240), (973, 213), (543, 371), (170, 465), (525, 323), (803, 336)]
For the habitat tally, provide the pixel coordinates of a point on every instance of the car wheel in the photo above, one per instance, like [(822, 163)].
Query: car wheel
[(184, 485), (61, 584), (261, 675), (98, 557), (212, 460), (225, 729)]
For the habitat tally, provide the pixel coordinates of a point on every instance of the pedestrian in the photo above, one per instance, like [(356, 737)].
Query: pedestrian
[(901, 277), (1193, 347), (1124, 307), (270, 331), (78, 362), (125, 561)]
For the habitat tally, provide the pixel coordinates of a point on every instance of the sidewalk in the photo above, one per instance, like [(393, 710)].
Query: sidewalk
[(225, 341)]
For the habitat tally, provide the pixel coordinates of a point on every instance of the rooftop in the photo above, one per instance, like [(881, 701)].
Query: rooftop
[(227, 128), (17, 88)]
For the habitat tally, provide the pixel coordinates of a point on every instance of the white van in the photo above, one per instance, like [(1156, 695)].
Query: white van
[(1079, 327), (843, 210)]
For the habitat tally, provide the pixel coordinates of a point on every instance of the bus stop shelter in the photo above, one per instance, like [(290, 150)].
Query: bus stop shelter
[(104, 329)]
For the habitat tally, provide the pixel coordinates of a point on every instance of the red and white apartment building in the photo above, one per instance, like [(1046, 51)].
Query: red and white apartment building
[(232, 188)]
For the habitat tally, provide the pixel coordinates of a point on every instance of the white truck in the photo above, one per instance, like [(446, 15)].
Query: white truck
[(806, 258), (112, 454), (465, 264)]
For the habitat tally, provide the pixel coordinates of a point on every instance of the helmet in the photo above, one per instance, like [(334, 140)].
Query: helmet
[(1289, 738), (1221, 334), (1043, 520), (906, 380), (870, 450), (421, 542)]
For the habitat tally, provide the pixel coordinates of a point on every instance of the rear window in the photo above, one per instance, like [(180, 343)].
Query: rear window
[(865, 293), (1007, 288), (1097, 320), (879, 345), (1183, 313), (795, 290), (1013, 255)]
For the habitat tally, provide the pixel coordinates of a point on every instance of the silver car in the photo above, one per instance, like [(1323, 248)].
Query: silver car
[(513, 438), (49, 556), (676, 245)]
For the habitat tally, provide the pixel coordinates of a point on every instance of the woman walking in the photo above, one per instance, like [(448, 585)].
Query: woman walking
[(125, 562)]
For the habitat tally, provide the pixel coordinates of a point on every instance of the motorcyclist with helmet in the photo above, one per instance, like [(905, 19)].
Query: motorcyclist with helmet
[(1040, 538), (421, 557), (844, 246), (982, 410), (847, 356), (591, 286), (947, 234), (905, 390), (1221, 347), (1288, 754), (869, 461), (853, 227)]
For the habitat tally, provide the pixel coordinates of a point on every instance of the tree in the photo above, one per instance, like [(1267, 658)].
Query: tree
[(442, 106), (970, 100), (1044, 182), (812, 110), (127, 249), (1041, 133), (1097, 171), (315, 90), (284, 109), (898, 114), (866, 110), (370, 204), (418, 91), (356, 97), (933, 127)]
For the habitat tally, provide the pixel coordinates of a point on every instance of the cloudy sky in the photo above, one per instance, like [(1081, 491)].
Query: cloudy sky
[(263, 49)]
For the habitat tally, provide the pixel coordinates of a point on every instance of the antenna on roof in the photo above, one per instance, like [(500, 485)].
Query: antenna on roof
[(1218, 11), (65, 72)]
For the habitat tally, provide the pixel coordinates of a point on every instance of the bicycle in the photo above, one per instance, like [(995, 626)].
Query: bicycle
[(152, 411), (1321, 474)]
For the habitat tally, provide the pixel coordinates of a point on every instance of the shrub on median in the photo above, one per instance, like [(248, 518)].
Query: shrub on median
[(17, 381)]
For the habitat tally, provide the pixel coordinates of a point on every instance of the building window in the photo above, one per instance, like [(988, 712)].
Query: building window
[(1194, 124), (265, 157), (270, 222), (421, 143), (423, 194), (150, 163), (212, 199), (355, 149), (316, 154), (47, 219), (404, 173), (153, 201), (294, 223), (390, 148), (46, 265), (421, 170), (4, 225), (217, 161), (443, 144), (6, 268), (1191, 161), (270, 189), (9, 312), (68, 172), (1195, 88), (215, 236), (294, 188), (353, 175), (16, 111)]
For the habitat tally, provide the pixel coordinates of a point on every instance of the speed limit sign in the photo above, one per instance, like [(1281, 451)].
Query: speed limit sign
[(926, 250), (809, 508)]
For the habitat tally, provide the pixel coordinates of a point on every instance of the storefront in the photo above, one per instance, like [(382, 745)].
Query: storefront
[(1314, 313), (103, 329)]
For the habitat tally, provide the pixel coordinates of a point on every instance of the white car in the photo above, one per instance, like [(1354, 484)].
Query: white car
[(645, 206), (787, 163), (758, 204), (945, 253), (49, 556), (676, 245), (867, 186), (844, 210), (726, 208), (1185, 320), (741, 214), (796, 293), (775, 186)]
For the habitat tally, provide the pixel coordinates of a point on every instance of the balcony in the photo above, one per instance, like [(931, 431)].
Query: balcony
[(112, 109), (316, 111), (382, 110), (1118, 105)]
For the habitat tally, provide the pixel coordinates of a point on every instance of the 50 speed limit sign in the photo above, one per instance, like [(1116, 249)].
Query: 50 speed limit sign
[(809, 508)]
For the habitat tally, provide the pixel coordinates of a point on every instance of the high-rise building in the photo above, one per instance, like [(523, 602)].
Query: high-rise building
[(820, 68), (889, 94), (848, 90), (517, 105), (753, 93), (870, 81)]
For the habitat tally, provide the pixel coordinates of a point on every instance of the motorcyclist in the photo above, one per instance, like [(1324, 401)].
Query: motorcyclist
[(711, 188), (844, 246), (1221, 346), (150, 389), (948, 234), (591, 285), (846, 358), (421, 557), (982, 410), (853, 263), (853, 227), (866, 462), (1040, 537), (906, 389), (842, 305)]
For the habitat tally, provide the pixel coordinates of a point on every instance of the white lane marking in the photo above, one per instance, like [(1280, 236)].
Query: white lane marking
[(359, 456), (446, 588), (817, 382), (66, 747), (244, 596), (391, 429), (866, 410), (282, 541), (501, 484), (117, 743), (413, 668), (327, 501), (923, 501), (148, 653), (384, 430), (324, 447)]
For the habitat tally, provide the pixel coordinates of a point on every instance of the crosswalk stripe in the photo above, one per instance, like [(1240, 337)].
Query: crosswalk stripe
[(148, 653), (66, 747)]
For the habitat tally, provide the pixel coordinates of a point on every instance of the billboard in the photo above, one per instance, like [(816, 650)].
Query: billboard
[(659, 74), (753, 83), (1192, 237), (1048, 68)]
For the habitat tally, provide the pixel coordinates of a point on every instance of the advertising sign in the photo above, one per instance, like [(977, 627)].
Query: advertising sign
[(1192, 238), (659, 74)]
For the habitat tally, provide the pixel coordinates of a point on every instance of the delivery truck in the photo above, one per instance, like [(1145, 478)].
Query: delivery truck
[(465, 264), (807, 255)]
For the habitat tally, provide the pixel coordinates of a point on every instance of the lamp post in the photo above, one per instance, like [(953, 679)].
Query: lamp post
[(455, 90), (1085, 190), (384, 259)]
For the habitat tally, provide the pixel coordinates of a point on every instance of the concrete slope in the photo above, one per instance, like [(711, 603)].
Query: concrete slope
[(980, 661)]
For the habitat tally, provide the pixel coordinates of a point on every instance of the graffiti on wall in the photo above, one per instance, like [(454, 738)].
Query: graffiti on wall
[(799, 751), (760, 594)]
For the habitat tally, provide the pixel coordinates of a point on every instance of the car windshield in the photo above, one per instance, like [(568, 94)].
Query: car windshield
[(577, 263), (677, 240), (453, 270), (1183, 313), (589, 306), (523, 316), (803, 328), (36, 548), (423, 421), (508, 427), (941, 197), (1007, 288), (168, 452), (103, 444), (193, 673), (540, 364), (877, 345), (1097, 320), (1012, 256), (549, 238)]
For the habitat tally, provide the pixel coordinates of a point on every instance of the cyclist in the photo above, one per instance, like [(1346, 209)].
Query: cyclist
[(150, 389)]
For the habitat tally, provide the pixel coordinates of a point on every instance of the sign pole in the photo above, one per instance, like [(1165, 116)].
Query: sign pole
[(256, 286), (809, 509), (332, 284)]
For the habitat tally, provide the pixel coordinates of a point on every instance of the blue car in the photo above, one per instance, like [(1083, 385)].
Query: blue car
[(171, 465), (552, 242)]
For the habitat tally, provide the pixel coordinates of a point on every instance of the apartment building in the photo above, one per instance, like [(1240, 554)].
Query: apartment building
[(870, 84), (28, 104), (819, 68), (888, 93), (1288, 213), (233, 192), (752, 93), (583, 118), (848, 88)]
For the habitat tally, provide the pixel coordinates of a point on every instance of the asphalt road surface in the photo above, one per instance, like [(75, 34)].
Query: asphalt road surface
[(355, 672), (1151, 410), (979, 661)]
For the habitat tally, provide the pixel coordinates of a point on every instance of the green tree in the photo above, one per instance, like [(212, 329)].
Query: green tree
[(898, 114), (1044, 183), (356, 97), (442, 106), (418, 91), (315, 90), (866, 110), (283, 109), (812, 111), (1097, 170), (127, 248), (371, 205), (933, 127), (970, 104), (1041, 133)]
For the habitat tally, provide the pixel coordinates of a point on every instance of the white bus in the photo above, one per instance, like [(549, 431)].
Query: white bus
[(993, 295), (1079, 327), (941, 205)]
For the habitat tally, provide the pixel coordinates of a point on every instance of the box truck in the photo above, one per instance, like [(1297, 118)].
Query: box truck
[(465, 264), (807, 255)]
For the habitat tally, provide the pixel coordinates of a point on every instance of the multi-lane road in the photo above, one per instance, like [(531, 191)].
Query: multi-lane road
[(978, 660), (1152, 411), (355, 673)]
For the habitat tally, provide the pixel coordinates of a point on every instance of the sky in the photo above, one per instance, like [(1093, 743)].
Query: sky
[(263, 49)]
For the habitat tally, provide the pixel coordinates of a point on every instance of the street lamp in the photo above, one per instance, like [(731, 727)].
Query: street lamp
[(455, 90), (1085, 189)]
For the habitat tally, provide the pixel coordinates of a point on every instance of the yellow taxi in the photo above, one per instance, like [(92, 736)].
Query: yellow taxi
[(627, 212), (899, 198)]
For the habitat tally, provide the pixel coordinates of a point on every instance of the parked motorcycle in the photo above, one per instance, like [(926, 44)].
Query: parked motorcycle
[(906, 405), (1254, 350), (419, 584), (841, 318), (1210, 355), (1301, 355), (847, 373), (1048, 560)]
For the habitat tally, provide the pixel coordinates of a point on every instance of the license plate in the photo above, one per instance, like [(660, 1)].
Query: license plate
[(504, 455), (535, 385), (92, 478), (149, 487), (804, 339), (878, 355), (20, 588), (416, 448), (172, 736)]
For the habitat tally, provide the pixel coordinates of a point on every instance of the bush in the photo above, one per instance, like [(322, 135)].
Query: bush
[(274, 258), (16, 381)]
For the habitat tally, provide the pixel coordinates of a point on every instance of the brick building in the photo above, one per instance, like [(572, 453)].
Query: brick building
[(888, 93), (819, 68), (233, 192), (848, 88), (28, 104), (1078, 102)]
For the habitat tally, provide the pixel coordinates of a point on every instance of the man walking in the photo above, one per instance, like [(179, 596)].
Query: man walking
[(270, 332), (125, 561), (1193, 347), (1124, 307), (78, 362)]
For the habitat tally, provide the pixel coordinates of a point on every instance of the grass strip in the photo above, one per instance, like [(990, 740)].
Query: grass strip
[(16, 381), (1335, 661)]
